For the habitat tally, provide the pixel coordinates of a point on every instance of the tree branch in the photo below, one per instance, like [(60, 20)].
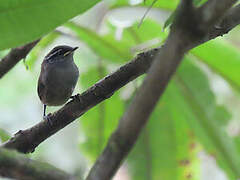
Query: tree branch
[(14, 56), (17, 166), (213, 9), (184, 34), (27, 140), (230, 20)]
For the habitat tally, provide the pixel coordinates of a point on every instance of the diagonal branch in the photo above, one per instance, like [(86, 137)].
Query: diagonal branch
[(27, 140), (213, 9), (14, 56), (18, 166), (180, 40)]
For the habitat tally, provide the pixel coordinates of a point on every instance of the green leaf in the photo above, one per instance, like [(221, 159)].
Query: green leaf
[(162, 4), (169, 20), (194, 99), (104, 47), (223, 58), (149, 30), (199, 2), (89, 78), (4, 135), (22, 21), (167, 147)]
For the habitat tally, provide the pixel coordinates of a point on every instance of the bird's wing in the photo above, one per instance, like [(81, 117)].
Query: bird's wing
[(40, 89)]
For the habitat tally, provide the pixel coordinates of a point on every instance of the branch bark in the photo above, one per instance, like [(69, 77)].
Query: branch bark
[(14, 56), (17, 166), (186, 31), (213, 9), (27, 140)]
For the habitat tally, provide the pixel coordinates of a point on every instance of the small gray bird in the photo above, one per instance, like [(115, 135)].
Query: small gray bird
[(58, 77)]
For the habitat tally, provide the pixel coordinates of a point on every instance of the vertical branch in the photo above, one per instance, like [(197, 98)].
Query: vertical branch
[(148, 153), (146, 133)]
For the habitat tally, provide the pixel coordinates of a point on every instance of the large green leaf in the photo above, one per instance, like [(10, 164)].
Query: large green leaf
[(22, 21), (166, 149), (194, 99), (163, 4), (223, 58)]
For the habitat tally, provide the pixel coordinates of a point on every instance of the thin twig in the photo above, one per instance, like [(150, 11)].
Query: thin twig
[(148, 9)]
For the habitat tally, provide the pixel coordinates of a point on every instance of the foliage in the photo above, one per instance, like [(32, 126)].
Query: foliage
[(25, 20)]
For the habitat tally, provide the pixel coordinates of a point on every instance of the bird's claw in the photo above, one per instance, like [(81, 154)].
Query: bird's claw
[(218, 27), (76, 97), (48, 119)]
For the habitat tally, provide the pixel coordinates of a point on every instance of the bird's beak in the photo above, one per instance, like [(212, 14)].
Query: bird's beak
[(73, 49), (70, 52)]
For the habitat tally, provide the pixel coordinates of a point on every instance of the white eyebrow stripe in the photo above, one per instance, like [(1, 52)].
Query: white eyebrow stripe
[(51, 55)]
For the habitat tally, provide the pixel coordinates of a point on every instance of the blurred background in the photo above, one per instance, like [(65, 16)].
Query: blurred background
[(194, 130)]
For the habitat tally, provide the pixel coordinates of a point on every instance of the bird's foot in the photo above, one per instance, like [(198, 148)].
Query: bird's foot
[(76, 97), (48, 119), (218, 27), (221, 30)]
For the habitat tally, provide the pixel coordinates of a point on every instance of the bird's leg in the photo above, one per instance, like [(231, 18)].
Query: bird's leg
[(46, 117), (44, 110)]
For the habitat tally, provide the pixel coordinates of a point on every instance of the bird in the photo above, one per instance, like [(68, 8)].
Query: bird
[(58, 77)]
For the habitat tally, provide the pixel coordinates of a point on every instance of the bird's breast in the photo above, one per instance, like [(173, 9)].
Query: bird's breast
[(60, 81)]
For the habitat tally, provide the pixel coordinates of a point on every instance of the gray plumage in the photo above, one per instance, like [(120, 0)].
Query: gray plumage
[(58, 77)]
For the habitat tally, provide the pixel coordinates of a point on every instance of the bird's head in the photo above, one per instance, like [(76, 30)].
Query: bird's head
[(60, 53)]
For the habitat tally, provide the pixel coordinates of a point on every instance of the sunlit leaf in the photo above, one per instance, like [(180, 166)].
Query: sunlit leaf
[(4, 135), (150, 30), (166, 148), (163, 4), (194, 98), (169, 20), (199, 2), (223, 58)]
